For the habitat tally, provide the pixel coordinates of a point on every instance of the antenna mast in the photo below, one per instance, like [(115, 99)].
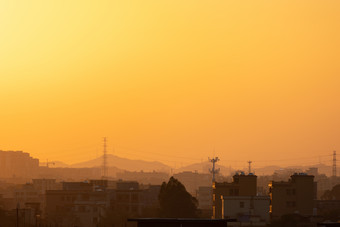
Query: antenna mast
[(249, 168), (213, 170)]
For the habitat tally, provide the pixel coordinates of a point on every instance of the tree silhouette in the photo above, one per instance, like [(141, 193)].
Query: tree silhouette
[(333, 194), (175, 201)]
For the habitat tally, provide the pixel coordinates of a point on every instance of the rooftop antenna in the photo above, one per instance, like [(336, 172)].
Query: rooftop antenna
[(104, 167), (334, 164), (249, 167), (213, 170)]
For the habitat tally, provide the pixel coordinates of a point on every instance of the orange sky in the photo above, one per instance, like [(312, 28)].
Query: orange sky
[(171, 80)]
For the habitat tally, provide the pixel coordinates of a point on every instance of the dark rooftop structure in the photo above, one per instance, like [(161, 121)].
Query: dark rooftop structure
[(329, 224), (180, 222)]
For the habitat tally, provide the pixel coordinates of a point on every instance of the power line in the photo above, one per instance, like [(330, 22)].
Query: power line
[(104, 166), (159, 154)]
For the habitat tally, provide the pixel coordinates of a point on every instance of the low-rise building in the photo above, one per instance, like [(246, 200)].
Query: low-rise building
[(27, 194), (242, 185), (247, 210), (204, 197), (297, 195), (76, 205), (130, 199)]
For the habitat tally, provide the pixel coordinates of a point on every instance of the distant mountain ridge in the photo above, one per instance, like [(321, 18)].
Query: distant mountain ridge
[(124, 164)]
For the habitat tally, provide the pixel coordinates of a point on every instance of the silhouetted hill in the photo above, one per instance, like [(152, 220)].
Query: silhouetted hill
[(266, 170), (125, 164), (203, 167), (122, 164)]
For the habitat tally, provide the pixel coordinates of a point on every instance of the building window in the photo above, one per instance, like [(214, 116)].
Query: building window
[(291, 204), (134, 209), (241, 204), (86, 197), (95, 220), (81, 208), (288, 192), (293, 191), (134, 198), (231, 191), (236, 192), (123, 198)]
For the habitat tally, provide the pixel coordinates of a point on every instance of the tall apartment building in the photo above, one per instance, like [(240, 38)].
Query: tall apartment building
[(242, 185), (18, 164), (297, 195)]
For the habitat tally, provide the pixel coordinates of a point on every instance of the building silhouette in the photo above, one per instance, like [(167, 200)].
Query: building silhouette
[(18, 164), (297, 195), (241, 185), (247, 210)]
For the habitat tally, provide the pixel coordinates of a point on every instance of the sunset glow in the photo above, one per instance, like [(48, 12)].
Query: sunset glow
[(172, 81)]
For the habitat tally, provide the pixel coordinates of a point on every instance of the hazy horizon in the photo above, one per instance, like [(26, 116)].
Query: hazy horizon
[(234, 165)]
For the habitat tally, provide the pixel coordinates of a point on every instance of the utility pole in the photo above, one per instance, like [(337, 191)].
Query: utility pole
[(334, 164), (214, 171), (249, 168), (17, 215), (104, 166)]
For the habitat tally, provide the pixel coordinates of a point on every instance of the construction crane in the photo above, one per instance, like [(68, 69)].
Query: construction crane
[(48, 163)]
